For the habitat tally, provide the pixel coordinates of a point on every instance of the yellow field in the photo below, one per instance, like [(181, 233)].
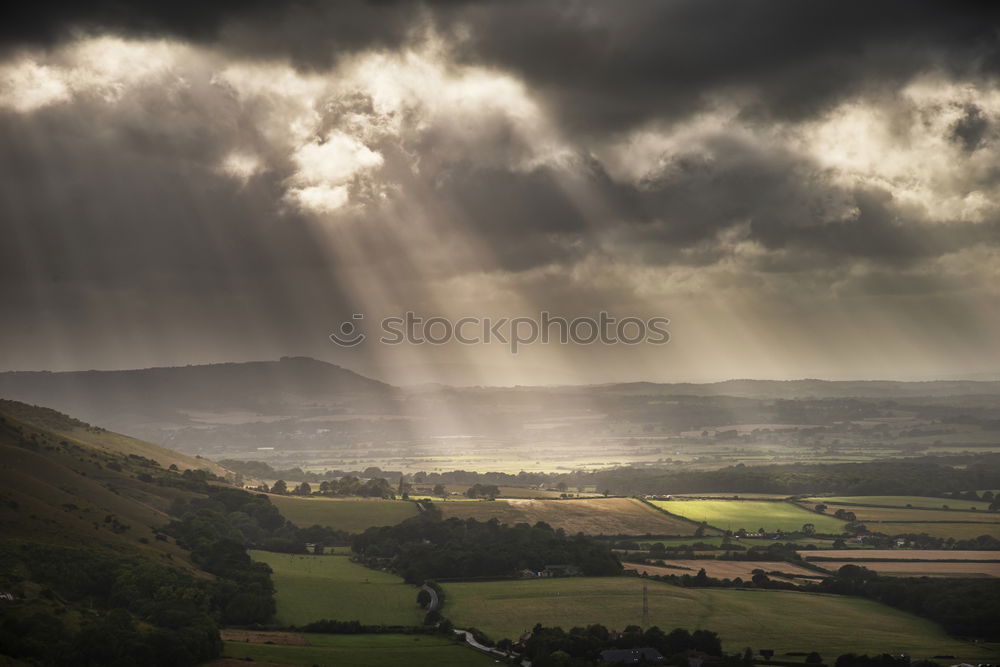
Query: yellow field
[(592, 516)]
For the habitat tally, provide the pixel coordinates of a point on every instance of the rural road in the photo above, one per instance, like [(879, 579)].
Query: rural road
[(435, 602), (471, 641)]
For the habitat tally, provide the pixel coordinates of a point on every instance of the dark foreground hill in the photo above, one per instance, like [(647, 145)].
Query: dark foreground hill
[(118, 552)]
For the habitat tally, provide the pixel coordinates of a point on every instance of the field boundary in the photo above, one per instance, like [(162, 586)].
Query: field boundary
[(700, 524)]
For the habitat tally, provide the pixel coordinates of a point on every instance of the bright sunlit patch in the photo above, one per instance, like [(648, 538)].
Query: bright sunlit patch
[(105, 68), (26, 86), (909, 148), (320, 198), (241, 166)]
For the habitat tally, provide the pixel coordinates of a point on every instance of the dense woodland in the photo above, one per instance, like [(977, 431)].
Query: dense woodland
[(425, 547), (965, 607)]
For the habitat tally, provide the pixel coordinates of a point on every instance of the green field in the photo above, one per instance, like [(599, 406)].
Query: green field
[(920, 502), (751, 515), (363, 651), (310, 588), (354, 515), (780, 620), (592, 516)]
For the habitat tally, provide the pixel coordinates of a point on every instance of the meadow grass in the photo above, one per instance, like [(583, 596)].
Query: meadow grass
[(751, 515), (364, 651), (354, 515), (592, 516), (311, 588), (781, 620)]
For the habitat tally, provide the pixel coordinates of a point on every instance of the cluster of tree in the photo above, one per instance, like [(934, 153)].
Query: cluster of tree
[(490, 491), (132, 611), (247, 518), (333, 627), (925, 541), (759, 579), (582, 647), (425, 547), (376, 487), (964, 607), (261, 470), (989, 500)]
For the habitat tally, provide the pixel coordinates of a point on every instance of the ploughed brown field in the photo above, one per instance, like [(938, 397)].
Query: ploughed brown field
[(722, 569), (900, 554), (921, 568)]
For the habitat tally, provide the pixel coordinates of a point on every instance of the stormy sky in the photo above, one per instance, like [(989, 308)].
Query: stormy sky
[(805, 189)]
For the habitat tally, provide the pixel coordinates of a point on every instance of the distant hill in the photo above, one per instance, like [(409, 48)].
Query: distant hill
[(808, 388), (301, 411), (158, 403), (256, 384)]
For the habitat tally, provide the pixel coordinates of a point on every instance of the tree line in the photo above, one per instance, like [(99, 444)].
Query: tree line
[(427, 547)]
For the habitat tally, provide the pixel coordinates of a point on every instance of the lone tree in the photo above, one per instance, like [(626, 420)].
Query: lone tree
[(820, 508), (439, 490), (280, 487), (808, 529)]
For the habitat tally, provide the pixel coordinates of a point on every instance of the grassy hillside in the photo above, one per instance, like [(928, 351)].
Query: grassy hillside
[(591, 516), (93, 563), (353, 515), (312, 588), (66, 483), (781, 620), (80, 432)]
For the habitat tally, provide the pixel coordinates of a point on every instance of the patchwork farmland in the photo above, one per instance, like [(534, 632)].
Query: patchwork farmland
[(592, 516)]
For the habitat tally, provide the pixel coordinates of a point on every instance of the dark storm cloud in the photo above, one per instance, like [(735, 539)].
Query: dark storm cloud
[(603, 65), (972, 128)]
